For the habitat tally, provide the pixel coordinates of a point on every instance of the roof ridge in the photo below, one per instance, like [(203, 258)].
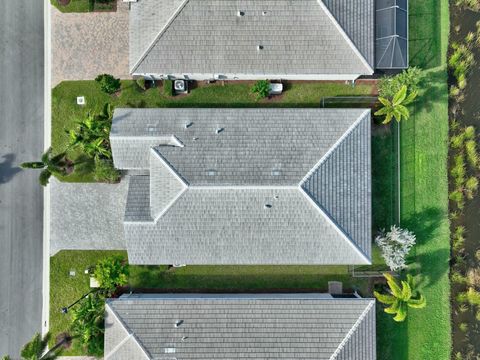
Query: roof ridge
[(130, 334), (357, 323), (345, 36), (162, 31), (176, 175)]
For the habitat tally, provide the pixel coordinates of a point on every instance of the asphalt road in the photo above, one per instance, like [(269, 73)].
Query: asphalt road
[(21, 197)]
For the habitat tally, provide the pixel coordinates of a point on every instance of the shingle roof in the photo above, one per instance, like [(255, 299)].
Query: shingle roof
[(268, 326), (275, 186), (208, 37)]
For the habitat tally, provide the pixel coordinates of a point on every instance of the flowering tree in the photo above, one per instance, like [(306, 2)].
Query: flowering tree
[(395, 246)]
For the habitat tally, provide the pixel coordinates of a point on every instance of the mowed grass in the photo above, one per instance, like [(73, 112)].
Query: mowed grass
[(65, 111), (65, 289), (80, 6), (426, 334)]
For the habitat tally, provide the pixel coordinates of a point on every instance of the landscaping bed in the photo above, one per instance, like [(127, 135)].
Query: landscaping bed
[(84, 5)]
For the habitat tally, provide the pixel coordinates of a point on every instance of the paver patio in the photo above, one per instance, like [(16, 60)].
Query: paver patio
[(87, 44)]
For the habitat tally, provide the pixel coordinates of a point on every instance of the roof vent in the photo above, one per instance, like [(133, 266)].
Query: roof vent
[(240, 13), (268, 206), (219, 130), (169, 350), (264, 13), (259, 47), (211, 172), (178, 323), (184, 338), (187, 125), (195, 138), (276, 172)]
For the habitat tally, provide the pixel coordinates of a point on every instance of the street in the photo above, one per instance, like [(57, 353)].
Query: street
[(21, 197)]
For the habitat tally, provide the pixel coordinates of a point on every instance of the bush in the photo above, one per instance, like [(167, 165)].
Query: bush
[(463, 327), (108, 83), (469, 132), (471, 152), (388, 86), (456, 141), (471, 187), (458, 198), (105, 171), (458, 170), (141, 82), (111, 272), (473, 296), (395, 246), (458, 239), (168, 87), (458, 278), (261, 88)]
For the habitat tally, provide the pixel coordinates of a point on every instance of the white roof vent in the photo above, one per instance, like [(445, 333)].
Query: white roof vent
[(219, 130), (276, 172), (264, 13), (178, 323), (189, 124), (169, 350), (211, 172), (259, 47), (240, 13)]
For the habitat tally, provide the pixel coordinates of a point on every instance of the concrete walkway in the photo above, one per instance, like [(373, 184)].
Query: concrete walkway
[(87, 44), (87, 216)]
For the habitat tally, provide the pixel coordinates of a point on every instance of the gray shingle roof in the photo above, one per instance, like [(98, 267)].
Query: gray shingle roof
[(269, 326), (289, 186), (208, 37)]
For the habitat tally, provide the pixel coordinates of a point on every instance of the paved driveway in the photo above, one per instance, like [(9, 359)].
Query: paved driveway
[(87, 216), (21, 197), (87, 44)]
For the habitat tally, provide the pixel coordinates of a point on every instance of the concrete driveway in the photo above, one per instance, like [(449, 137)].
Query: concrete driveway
[(87, 44)]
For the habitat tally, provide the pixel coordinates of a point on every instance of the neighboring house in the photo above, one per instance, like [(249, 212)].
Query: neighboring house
[(256, 326), (245, 186), (265, 39)]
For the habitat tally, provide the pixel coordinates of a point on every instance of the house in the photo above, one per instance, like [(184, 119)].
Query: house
[(239, 326), (267, 39), (245, 186)]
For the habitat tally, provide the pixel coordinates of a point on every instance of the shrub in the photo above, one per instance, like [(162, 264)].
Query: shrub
[(395, 246), (469, 132), (473, 277), (108, 83), (105, 171), (458, 278), (473, 296), (454, 91), (471, 152), (458, 239), (111, 272), (88, 323), (463, 327), (261, 88), (141, 82), (473, 5), (458, 170), (388, 86), (456, 141), (168, 87), (463, 308), (477, 255), (471, 187), (458, 198)]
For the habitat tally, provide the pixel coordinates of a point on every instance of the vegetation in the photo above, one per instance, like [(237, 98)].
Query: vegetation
[(401, 296), (92, 134), (84, 5), (88, 323), (50, 165), (141, 83), (412, 78), (460, 62), (168, 88), (395, 245), (111, 273), (396, 107), (261, 88), (36, 349), (108, 83), (105, 171), (473, 5)]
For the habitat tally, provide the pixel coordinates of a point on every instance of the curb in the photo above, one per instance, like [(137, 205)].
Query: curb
[(46, 192)]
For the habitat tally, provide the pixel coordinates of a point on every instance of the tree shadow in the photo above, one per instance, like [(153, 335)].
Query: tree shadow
[(7, 170)]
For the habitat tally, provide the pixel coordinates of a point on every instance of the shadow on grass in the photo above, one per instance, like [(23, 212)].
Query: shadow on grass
[(392, 337)]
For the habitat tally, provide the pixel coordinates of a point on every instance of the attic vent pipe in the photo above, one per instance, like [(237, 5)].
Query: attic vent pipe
[(240, 13), (260, 47), (187, 125), (218, 130), (178, 323)]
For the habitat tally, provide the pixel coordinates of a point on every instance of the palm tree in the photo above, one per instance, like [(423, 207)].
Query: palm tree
[(35, 349), (92, 134), (50, 165), (397, 107), (88, 322), (401, 297)]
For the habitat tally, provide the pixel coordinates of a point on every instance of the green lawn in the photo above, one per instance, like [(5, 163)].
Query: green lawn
[(65, 289), (82, 6), (65, 112), (424, 195)]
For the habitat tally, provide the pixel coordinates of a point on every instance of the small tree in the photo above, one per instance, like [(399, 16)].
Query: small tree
[(108, 83), (36, 348), (388, 86), (396, 108), (261, 88), (88, 323), (50, 165), (111, 272), (400, 297), (395, 246)]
